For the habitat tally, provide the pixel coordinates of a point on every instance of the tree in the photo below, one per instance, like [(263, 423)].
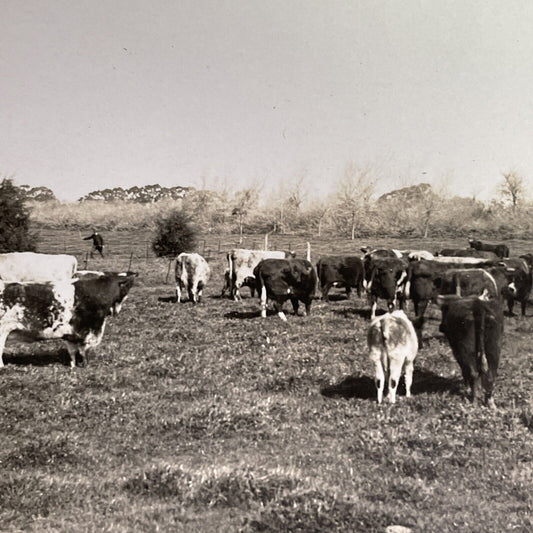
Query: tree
[(512, 188), (354, 191), (245, 200), (15, 235), (174, 235)]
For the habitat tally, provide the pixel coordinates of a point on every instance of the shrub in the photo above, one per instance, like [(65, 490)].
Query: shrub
[(15, 235), (174, 235)]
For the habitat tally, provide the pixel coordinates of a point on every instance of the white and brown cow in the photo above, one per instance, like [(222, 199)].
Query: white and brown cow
[(192, 275), (241, 264), (31, 266), (392, 342), (74, 311)]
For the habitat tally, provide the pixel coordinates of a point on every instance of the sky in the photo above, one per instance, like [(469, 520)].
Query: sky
[(99, 94)]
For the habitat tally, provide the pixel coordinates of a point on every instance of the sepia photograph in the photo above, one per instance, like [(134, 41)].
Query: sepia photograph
[(266, 267)]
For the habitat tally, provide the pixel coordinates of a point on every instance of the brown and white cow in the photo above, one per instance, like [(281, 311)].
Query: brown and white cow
[(31, 266), (241, 264), (74, 311), (192, 275), (392, 342), (280, 280)]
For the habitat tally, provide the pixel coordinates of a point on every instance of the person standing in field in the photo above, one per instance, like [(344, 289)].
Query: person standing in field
[(98, 242)]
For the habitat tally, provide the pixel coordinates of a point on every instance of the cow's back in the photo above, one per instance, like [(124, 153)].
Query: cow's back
[(36, 267)]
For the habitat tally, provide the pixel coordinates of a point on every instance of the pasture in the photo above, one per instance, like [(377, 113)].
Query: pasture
[(210, 419)]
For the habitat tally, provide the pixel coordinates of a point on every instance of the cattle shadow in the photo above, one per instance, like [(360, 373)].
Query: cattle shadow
[(167, 299), (363, 387), (40, 358), (253, 314), (363, 312)]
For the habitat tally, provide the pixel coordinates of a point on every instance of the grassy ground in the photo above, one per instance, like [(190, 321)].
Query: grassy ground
[(210, 419)]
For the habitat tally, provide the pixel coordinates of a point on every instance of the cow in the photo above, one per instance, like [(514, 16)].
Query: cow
[(467, 261), (417, 255), (248, 282), (192, 274), (32, 266), (467, 252), (385, 279), (425, 280), (474, 329), (74, 310), (392, 342), (519, 269), (241, 264), (380, 253), (501, 250), (285, 279), (340, 271)]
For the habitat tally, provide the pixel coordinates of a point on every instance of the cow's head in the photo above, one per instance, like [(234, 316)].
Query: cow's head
[(125, 283)]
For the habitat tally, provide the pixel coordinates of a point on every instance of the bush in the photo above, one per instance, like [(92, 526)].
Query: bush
[(174, 235), (15, 233)]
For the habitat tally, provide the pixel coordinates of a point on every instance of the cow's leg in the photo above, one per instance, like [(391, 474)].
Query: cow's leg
[(178, 291), (263, 301), (523, 305), (295, 305), (348, 291), (510, 304), (395, 372), (373, 306), (325, 291), (193, 291), (72, 350), (379, 379), (3, 338), (409, 368), (278, 307), (307, 302)]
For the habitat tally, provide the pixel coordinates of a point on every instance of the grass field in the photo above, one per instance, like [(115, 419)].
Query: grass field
[(210, 419)]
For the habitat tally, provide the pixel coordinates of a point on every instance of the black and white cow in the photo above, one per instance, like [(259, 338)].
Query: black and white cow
[(74, 311)]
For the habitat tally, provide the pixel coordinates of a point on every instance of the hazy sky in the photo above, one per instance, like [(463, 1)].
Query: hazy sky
[(97, 94)]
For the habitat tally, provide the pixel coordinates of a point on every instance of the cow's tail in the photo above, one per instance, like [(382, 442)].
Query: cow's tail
[(480, 314), (230, 269), (262, 293), (385, 338)]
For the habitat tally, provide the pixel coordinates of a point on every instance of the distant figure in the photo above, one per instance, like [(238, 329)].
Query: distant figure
[(98, 243)]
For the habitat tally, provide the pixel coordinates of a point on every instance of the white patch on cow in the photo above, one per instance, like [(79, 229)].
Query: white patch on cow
[(281, 314), (512, 288), (397, 253), (289, 290), (263, 302)]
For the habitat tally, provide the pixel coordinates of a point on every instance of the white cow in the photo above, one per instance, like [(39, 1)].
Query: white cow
[(192, 274), (31, 266), (392, 341)]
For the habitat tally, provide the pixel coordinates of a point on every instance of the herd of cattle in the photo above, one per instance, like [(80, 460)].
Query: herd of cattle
[(46, 297), (471, 287)]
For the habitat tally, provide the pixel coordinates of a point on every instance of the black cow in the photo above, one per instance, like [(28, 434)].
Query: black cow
[(474, 329), (427, 279), (385, 279), (285, 279), (501, 250), (340, 271), (74, 311), (520, 271)]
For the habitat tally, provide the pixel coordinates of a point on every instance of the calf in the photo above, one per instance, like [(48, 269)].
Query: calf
[(31, 266), (74, 311), (392, 341), (285, 279), (474, 330), (248, 282), (192, 274), (386, 278), (340, 270), (501, 250)]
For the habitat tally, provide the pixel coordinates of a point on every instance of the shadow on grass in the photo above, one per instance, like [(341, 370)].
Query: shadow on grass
[(168, 299), (349, 312), (41, 358), (363, 387)]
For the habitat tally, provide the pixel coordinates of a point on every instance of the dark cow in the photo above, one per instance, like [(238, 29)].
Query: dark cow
[(501, 250), (474, 329), (467, 252), (427, 279), (74, 311), (285, 279), (385, 279), (520, 271), (340, 271), (241, 264)]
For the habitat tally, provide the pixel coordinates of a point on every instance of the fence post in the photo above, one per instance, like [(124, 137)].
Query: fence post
[(266, 241), (147, 251), (131, 259), (168, 271), (86, 260), (218, 251)]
